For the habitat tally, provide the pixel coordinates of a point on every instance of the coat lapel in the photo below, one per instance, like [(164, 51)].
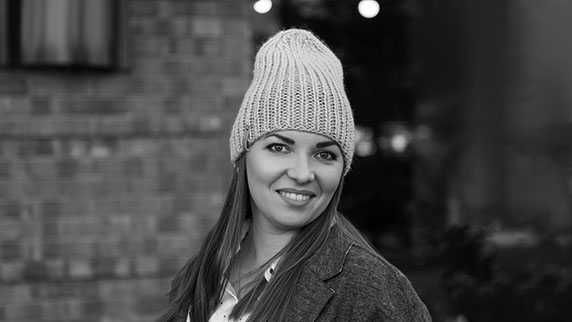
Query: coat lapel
[(313, 292), (310, 298)]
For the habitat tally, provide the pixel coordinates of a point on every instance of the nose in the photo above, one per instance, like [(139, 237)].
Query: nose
[(301, 171)]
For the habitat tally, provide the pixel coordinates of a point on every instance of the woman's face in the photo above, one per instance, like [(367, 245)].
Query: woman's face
[(292, 177)]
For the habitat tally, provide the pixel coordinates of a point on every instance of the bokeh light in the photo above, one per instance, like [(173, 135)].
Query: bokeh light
[(368, 8), (262, 6)]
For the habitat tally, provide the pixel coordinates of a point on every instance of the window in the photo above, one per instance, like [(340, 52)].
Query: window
[(63, 33)]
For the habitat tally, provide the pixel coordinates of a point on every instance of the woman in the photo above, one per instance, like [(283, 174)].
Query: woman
[(280, 251)]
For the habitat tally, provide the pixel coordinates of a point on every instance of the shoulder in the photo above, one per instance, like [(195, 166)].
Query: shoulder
[(372, 286), (366, 268)]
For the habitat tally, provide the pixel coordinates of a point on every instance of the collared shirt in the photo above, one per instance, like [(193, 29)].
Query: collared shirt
[(229, 300)]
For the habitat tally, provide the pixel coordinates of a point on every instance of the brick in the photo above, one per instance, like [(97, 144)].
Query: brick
[(22, 312), (178, 8), (116, 84), (104, 266), (56, 269), (10, 230), (177, 66), (207, 26), (43, 147), (206, 8), (151, 305), (206, 47), (51, 209), (50, 84), (16, 105), (237, 27), (147, 46), (50, 311), (120, 309), (119, 223), (67, 169), (51, 250), (168, 224), (167, 183), (35, 271), (15, 86), (71, 309), (40, 106), (122, 268), (144, 8), (181, 203), (8, 127), (80, 269), (173, 105), (109, 248), (171, 26), (11, 271), (116, 288), (93, 106), (234, 86), (10, 250), (147, 65), (18, 293), (93, 307), (103, 148), (11, 209), (205, 68), (146, 266)]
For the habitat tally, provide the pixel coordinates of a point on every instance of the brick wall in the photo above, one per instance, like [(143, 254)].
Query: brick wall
[(109, 182)]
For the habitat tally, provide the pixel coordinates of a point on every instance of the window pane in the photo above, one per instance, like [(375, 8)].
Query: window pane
[(67, 32), (3, 32)]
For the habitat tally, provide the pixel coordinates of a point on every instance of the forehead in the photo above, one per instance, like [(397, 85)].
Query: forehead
[(300, 136)]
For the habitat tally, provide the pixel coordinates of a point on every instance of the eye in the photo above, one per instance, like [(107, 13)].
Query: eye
[(278, 148), (327, 155)]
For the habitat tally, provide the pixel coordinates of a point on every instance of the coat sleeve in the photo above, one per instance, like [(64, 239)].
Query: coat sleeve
[(409, 306), (377, 291), (397, 305)]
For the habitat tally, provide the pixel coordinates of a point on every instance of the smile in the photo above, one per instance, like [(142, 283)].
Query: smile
[(294, 196)]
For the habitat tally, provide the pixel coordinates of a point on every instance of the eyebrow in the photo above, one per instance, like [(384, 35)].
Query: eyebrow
[(290, 141), (283, 138)]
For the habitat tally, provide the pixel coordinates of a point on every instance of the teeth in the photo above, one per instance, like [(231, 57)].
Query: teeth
[(295, 196)]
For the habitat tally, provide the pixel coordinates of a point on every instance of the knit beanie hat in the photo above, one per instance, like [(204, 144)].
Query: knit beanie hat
[(297, 85)]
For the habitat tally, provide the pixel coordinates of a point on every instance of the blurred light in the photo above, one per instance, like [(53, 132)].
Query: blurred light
[(396, 138), (368, 8), (365, 146), (424, 132), (399, 142), (262, 6)]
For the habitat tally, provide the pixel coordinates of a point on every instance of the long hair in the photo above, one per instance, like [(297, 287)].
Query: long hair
[(199, 285)]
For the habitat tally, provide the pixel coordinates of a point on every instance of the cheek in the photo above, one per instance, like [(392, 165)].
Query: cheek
[(330, 181), (259, 172)]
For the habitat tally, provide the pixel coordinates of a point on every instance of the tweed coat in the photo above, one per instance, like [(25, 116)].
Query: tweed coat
[(346, 282)]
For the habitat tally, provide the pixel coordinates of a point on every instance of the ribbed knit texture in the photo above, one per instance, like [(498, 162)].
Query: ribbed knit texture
[(298, 84)]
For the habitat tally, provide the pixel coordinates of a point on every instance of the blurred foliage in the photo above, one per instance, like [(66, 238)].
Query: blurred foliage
[(478, 288)]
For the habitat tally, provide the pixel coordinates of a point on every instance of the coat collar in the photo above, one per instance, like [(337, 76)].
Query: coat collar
[(313, 293), (329, 260)]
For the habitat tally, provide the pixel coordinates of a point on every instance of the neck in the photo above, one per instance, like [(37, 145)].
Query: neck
[(261, 245)]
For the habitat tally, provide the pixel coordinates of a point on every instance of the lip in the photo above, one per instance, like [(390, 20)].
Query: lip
[(297, 191), (296, 202)]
